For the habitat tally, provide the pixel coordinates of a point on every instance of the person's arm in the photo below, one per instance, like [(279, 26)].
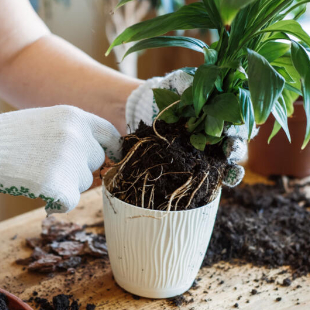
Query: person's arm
[(38, 68)]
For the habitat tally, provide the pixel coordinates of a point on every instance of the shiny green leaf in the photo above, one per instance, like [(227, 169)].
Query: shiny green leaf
[(210, 56), (273, 50), (301, 62), (284, 73), (164, 98), (275, 130), (247, 110), (229, 8), (291, 27), (280, 114), (199, 141), (166, 41), (187, 97), (226, 107), (265, 85), (214, 140), (190, 16), (203, 84), (213, 126)]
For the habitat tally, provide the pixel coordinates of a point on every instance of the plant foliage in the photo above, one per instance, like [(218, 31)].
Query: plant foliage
[(259, 65)]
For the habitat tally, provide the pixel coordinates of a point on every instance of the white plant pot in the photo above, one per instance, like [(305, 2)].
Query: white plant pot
[(156, 258)]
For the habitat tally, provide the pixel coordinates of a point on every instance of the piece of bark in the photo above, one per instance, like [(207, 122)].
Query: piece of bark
[(96, 246), (45, 264), (67, 249), (57, 230), (72, 262)]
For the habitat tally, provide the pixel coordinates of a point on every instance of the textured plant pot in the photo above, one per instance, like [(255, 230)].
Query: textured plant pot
[(156, 258), (14, 303), (281, 157)]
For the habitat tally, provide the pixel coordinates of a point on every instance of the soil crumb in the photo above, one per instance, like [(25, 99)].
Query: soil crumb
[(151, 175), (60, 302), (264, 225)]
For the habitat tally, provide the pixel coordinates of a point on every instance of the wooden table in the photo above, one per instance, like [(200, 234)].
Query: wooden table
[(94, 284)]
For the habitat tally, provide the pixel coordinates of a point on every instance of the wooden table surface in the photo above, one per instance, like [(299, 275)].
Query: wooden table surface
[(95, 284)]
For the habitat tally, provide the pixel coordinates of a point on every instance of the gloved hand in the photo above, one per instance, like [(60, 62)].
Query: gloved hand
[(141, 106), (51, 153)]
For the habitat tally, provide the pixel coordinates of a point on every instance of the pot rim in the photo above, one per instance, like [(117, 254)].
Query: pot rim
[(15, 299), (159, 211)]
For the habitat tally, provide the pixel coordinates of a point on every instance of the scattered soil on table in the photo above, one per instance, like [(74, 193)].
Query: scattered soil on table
[(265, 225), (151, 175), (59, 302), (63, 246), (3, 302)]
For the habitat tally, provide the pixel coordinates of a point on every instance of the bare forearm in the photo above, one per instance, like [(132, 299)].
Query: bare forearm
[(51, 71)]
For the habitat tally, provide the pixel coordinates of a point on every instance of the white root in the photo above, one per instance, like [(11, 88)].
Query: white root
[(158, 116), (195, 191)]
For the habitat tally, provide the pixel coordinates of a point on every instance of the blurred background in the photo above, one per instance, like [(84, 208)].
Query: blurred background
[(89, 25)]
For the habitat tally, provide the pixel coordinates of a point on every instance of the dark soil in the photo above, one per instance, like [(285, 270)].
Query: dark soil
[(263, 225), (3, 302), (60, 302), (161, 168)]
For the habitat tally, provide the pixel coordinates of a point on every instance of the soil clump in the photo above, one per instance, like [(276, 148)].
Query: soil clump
[(267, 225), (157, 172)]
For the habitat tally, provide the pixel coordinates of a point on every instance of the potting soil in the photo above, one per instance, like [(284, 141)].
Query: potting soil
[(158, 168), (264, 225)]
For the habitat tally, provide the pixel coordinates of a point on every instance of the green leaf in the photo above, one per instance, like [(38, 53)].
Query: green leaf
[(230, 8), (214, 126), (190, 16), (121, 3), (214, 140), (284, 73), (265, 85), (301, 62), (164, 98), (286, 62), (219, 84), (275, 130), (213, 13), (166, 41), (226, 107), (277, 36), (199, 141), (291, 27), (187, 112), (293, 89), (247, 110), (289, 98), (300, 59), (203, 84), (280, 114), (187, 97), (210, 56), (273, 50)]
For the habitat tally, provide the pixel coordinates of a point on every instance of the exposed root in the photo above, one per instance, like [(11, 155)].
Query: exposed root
[(195, 191), (166, 173), (158, 116), (143, 190), (178, 191)]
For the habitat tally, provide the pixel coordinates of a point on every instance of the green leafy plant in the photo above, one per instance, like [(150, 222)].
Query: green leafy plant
[(259, 65)]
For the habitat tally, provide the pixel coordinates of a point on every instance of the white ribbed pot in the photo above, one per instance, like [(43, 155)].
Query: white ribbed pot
[(156, 258)]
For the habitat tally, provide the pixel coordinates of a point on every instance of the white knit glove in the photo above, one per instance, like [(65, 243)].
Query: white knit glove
[(51, 153), (142, 106)]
